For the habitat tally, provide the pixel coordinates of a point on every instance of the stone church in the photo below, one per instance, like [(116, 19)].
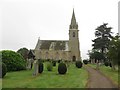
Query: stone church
[(61, 49)]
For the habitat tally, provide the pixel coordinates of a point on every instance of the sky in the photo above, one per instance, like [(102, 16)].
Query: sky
[(22, 22)]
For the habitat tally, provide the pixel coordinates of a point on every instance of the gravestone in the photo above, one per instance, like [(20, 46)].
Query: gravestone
[(30, 59), (35, 64), (29, 63)]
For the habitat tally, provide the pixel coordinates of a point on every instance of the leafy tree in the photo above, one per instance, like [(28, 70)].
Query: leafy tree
[(114, 51), (3, 69), (14, 61), (97, 56), (23, 52), (103, 36)]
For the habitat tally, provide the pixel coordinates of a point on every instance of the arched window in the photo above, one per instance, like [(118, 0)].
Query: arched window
[(73, 34)]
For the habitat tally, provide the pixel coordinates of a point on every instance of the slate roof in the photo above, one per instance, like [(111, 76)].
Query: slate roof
[(52, 45)]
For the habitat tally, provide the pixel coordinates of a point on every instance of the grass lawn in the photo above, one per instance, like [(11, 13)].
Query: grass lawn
[(113, 75), (0, 84), (74, 78)]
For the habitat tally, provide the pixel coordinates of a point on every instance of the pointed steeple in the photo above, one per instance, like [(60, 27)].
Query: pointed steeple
[(73, 20), (73, 24)]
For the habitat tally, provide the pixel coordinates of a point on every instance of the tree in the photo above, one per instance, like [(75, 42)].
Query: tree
[(103, 37), (23, 52), (14, 61), (114, 51), (97, 56)]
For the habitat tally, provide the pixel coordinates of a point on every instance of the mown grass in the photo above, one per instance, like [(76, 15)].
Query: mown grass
[(0, 84), (74, 78), (112, 74)]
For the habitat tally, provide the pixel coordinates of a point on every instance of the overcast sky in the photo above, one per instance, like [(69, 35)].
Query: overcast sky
[(23, 21)]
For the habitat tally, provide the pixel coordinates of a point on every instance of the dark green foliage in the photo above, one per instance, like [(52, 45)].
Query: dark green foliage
[(3, 69), (49, 66), (14, 61), (23, 52), (96, 55), (62, 69), (114, 50), (59, 61), (54, 63), (78, 64), (102, 40), (85, 61), (110, 64), (106, 63), (40, 67)]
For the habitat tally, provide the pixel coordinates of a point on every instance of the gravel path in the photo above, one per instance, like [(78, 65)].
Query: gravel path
[(97, 80)]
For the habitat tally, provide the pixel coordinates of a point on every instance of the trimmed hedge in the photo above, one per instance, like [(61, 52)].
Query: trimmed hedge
[(62, 69), (85, 61), (54, 63), (3, 69), (59, 61), (107, 64), (14, 61), (40, 67), (110, 64), (78, 64)]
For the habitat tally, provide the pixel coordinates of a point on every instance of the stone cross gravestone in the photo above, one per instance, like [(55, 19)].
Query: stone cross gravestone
[(35, 64)]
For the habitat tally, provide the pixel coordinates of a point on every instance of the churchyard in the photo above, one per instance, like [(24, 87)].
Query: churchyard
[(74, 78)]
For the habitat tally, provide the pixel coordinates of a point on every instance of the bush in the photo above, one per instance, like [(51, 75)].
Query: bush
[(106, 64), (78, 64), (62, 69), (40, 67), (110, 64), (24, 52), (54, 63), (85, 61), (49, 66), (3, 70), (59, 61), (13, 61)]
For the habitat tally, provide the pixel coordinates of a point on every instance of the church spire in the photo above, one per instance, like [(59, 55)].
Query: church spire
[(73, 24), (73, 20)]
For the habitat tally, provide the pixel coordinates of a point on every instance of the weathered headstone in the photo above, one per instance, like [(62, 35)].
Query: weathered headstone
[(29, 64), (35, 64)]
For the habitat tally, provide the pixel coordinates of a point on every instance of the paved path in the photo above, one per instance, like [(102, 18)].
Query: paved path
[(97, 80)]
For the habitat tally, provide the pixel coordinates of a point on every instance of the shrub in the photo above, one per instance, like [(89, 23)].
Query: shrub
[(62, 69), (78, 64), (59, 61), (106, 63), (23, 52), (3, 70), (110, 64), (49, 66), (85, 61), (40, 67), (54, 63), (13, 61)]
